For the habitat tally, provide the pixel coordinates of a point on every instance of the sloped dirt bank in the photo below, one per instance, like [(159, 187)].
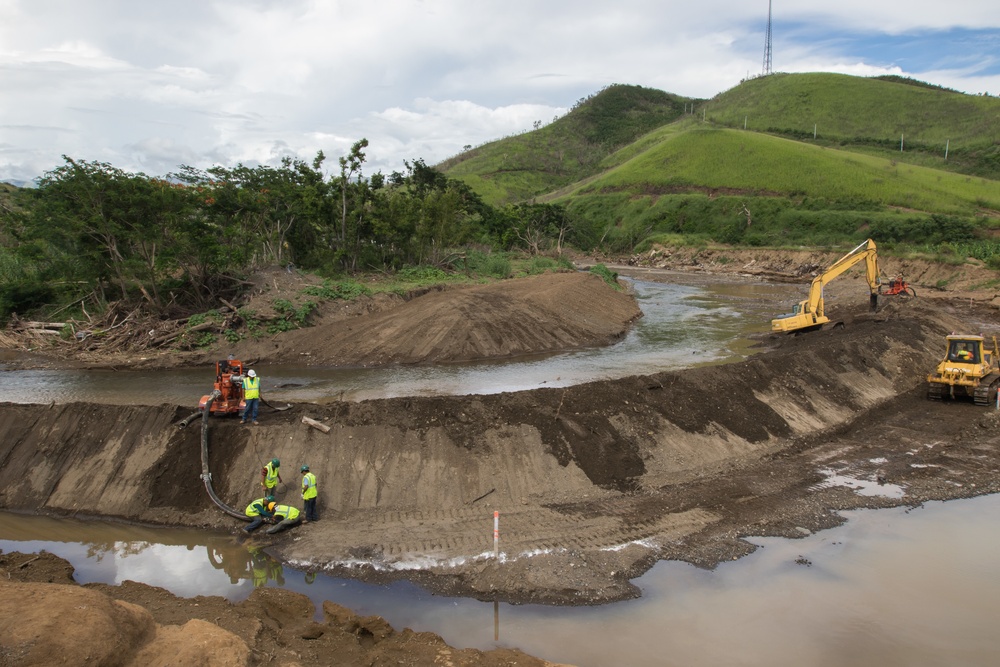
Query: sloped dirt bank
[(47, 619), (544, 313), (593, 483), (965, 278)]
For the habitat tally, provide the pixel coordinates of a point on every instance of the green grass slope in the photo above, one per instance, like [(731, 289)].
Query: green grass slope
[(878, 115), (707, 159), (567, 150), (733, 186)]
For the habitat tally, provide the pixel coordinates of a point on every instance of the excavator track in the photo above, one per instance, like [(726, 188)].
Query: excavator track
[(986, 390)]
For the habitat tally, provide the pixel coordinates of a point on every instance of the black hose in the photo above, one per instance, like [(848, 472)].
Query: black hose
[(187, 420), (206, 476), (276, 409)]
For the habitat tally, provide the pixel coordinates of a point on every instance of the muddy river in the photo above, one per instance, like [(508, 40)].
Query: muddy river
[(890, 587), (917, 586), (683, 324)]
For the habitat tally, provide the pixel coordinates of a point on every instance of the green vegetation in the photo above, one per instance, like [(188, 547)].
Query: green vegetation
[(606, 274), (787, 159), (878, 115), (569, 149)]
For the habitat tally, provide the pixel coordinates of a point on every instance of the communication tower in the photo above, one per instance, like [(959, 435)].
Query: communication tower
[(767, 43)]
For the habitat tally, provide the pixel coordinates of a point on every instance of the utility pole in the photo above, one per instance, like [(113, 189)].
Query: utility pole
[(767, 43)]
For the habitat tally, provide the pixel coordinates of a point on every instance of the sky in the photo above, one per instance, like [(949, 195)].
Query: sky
[(150, 86)]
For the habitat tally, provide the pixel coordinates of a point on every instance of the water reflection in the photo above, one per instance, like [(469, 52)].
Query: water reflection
[(683, 325), (174, 559), (890, 587)]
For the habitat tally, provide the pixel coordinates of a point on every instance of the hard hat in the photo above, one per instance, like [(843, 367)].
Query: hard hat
[(276, 463), (269, 499), (304, 469), (252, 373), (270, 506)]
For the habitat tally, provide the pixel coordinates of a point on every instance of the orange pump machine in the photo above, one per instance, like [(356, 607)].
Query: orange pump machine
[(229, 384)]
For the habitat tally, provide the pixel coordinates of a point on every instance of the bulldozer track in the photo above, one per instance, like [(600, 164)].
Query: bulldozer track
[(986, 389)]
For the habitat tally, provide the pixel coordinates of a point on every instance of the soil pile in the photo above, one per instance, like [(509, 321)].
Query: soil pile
[(545, 313), (48, 619)]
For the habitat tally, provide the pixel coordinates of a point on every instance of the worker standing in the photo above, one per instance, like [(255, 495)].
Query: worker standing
[(259, 512), (251, 394), (309, 493), (270, 475), (286, 516)]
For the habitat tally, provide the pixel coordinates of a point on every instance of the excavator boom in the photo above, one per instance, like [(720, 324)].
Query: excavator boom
[(809, 314)]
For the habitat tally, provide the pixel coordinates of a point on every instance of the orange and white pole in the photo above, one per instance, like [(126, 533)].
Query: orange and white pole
[(496, 534)]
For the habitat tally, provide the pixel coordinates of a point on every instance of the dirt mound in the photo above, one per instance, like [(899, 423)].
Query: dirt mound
[(47, 623), (545, 313)]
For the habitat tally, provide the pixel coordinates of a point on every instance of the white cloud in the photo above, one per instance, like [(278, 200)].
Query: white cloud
[(150, 86)]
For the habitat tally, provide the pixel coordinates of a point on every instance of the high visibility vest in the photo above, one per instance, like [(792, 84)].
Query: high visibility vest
[(251, 387), (256, 508), (308, 486), (270, 476), (286, 512)]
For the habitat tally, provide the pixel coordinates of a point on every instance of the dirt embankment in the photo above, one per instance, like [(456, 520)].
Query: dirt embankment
[(551, 312), (47, 619)]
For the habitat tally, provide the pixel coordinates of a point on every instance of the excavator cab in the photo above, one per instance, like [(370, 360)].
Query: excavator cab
[(229, 384), (969, 369)]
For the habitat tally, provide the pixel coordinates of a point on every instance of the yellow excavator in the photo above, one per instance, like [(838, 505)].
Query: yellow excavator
[(969, 368), (808, 314)]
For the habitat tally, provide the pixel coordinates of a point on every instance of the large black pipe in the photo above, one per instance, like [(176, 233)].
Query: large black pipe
[(206, 476)]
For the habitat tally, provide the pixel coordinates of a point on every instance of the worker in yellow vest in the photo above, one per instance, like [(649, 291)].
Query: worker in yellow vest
[(258, 513), (286, 516), (309, 493), (270, 476), (251, 395)]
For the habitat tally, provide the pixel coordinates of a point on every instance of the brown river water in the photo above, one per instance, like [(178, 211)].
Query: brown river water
[(890, 587), (917, 586)]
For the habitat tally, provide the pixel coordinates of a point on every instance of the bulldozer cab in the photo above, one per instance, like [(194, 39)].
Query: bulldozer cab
[(966, 350)]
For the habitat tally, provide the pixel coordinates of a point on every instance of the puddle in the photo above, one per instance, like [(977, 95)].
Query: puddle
[(862, 487)]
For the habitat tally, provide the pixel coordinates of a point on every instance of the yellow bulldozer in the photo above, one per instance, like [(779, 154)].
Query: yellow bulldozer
[(969, 369)]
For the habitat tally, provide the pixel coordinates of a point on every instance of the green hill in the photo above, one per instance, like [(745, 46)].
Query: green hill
[(567, 150), (745, 167), (879, 115), (737, 186)]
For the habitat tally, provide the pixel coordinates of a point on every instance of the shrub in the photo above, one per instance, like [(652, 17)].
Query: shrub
[(606, 274)]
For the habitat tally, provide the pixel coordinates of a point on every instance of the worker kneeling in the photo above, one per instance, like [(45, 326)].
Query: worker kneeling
[(286, 516), (258, 512)]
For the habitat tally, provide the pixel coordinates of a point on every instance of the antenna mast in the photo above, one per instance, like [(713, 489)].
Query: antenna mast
[(767, 43)]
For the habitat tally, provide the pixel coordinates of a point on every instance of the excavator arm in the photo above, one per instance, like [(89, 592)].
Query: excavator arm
[(809, 314)]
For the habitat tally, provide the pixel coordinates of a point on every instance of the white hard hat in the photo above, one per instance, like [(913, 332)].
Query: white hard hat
[(252, 373)]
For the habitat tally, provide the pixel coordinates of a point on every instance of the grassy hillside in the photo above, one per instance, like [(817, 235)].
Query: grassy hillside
[(746, 167), (568, 149), (874, 115), (732, 186), (707, 159)]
